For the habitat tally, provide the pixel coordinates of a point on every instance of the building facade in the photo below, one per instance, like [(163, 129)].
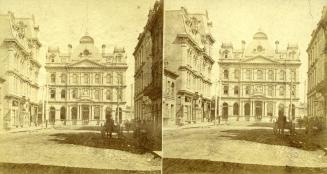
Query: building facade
[(317, 65), (148, 72), (188, 52), (20, 69), (85, 85), (169, 99), (257, 81)]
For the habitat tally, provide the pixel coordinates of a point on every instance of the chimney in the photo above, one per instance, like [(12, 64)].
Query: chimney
[(69, 49), (103, 49), (276, 43)]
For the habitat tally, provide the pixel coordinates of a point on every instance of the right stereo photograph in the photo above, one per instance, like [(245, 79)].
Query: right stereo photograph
[(244, 87)]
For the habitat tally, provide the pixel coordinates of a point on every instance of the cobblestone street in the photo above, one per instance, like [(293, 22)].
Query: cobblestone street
[(73, 150), (242, 144)]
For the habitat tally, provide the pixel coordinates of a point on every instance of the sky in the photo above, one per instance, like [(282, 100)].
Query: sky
[(63, 22), (288, 21)]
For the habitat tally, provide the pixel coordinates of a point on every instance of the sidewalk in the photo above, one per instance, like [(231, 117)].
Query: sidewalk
[(24, 129)]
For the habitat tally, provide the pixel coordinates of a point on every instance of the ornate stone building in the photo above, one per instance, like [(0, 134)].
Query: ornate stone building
[(20, 69), (148, 72), (317, 65), (188, 52), (256, 80), (85, 85)]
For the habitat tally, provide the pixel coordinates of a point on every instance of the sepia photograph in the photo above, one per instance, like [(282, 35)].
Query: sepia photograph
[(244, 86), (163, 86), (80, 86)]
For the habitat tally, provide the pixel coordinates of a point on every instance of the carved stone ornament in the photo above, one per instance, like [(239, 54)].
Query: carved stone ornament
[(192, 23), (19, 27)]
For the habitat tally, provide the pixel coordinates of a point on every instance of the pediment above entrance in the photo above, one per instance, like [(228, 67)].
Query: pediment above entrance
[(86, 63)]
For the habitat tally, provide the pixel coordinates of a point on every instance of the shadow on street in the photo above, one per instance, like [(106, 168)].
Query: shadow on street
[(266, 136), (94, 139), (179, 166), (27, 168)]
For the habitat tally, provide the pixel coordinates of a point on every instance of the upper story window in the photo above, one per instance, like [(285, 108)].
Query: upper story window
[(281, 90), (109, 94), (97, 94), (259, 75), (226, 74), (270, 91), (119, 78), (63, 94), (293, 75), (248, 74), (281, 75), (236, 90), (236, 74), (97, 78), (247, 90), (270, 75), (52, 93), (53, 78), (109, 78), (86, 78), (63, 78), (119, 58), (119, 94), (226, 89), (225, 54), (74, 93), (75, 78)]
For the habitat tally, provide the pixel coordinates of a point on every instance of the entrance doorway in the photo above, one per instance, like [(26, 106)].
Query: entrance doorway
[(258, 110), (85, 114), (225, 111)]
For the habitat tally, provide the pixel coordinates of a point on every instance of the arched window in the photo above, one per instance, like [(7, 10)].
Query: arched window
[(236, 90), (259, 75), (97, 78), (74, 113), (225, 54), (63, 94), (172, 89), (53, 93), (270, 75), (53, 78), (225, 111), (281, 91), (62, 113), (226, 74), (109, 78), (63, 78), (281, 75), (235, 109), (281, 109), (259, 48)]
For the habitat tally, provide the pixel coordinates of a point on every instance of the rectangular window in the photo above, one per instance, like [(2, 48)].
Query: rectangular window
[(226, 90)]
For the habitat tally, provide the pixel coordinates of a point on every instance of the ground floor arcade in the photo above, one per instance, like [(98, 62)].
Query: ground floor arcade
[(84, 113), (257, 109)]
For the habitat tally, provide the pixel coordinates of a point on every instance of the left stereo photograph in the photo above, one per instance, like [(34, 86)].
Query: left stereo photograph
[(81, 86)]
